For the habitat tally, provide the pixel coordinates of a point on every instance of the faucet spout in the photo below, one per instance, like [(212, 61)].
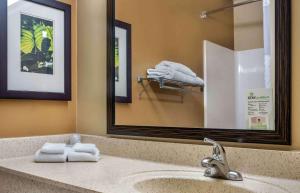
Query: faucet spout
[(214, 167), (206, 162)]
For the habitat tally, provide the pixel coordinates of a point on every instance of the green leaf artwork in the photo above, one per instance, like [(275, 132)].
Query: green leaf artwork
[(37, 45), (117, 59)]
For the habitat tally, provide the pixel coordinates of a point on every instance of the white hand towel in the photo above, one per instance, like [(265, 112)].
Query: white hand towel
[(53, 148), (156, 76), (50, 158), (85, 148), (74, 156), (179, 76), (167, 73), (170, 72), (160, 72), (176, 66)]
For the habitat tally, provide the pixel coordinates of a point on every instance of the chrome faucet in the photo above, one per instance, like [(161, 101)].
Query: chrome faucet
[(217, 166)]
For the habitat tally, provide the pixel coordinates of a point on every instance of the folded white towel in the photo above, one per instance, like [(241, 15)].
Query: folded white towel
[(160, 72), (179, 76), (53, 148), (166, 71), (176, 66), (74, 156), (157, 77), (50, 158), (85, 148)]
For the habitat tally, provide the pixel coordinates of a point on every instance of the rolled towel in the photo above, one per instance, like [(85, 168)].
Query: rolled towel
[(53, 148), (160, 72), (50, 158), (156, 76), (74, 156), (156, 73), (176, 66), (75, 139), (179, 76), (86, 148)]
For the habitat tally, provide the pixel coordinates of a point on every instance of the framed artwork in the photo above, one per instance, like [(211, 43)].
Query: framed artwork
[(35, 50), (122, 47)]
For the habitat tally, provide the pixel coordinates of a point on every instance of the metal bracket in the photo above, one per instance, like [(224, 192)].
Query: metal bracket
[(165, 84)]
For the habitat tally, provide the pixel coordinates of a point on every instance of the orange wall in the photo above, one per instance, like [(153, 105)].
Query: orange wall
[(169, 30), (91, 113), (27, 117), (92, 101), (248, 20)]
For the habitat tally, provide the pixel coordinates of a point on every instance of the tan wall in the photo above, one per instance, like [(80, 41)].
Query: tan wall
[(295, 74), (92, 66), (169, 30), (92, 117), (248, 26), (26, 117)]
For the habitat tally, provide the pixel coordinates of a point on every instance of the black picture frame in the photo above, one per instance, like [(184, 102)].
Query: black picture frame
[(282, 133), (127, 27), (4, 92)]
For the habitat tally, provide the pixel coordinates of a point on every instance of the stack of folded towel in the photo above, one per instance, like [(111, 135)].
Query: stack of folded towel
[(84, 152), (75, 152), (174, 71), (52, 153)]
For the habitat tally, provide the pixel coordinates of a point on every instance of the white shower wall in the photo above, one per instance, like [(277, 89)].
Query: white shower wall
[(219, 90), (249, 74), (228, 75)]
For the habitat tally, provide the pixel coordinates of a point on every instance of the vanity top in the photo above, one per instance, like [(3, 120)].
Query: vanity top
[(113, 174), (127, 163)]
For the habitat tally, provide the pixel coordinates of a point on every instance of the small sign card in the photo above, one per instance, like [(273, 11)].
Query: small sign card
[(259, 108)]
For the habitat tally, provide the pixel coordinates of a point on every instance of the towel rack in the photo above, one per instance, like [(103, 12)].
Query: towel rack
[(166, 84)]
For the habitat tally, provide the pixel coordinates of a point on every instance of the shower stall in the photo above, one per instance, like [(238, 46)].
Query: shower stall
[(240, 71)]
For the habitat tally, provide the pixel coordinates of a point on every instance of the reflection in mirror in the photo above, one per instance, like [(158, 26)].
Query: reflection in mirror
[(195, 63)]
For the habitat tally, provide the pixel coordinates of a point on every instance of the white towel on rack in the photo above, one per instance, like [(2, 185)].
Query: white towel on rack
[(179, 76), (165, 73), (53, 148), (176, 66)]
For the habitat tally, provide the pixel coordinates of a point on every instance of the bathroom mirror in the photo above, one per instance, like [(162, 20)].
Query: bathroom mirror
[(196, 68)]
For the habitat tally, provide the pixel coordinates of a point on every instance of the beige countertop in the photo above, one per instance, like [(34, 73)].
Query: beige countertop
[(114, 174)]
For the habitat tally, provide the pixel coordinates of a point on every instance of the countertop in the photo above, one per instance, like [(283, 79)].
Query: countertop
[(108, 175)]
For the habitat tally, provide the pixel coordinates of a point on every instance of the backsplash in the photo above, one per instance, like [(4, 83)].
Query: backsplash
[(282, 164)]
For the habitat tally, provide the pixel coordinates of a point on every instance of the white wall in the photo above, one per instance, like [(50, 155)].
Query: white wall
[(228, 75), (219, 90), (249, 74)]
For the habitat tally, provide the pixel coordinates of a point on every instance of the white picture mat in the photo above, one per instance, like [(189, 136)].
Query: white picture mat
[(121, 85), (35, 82)]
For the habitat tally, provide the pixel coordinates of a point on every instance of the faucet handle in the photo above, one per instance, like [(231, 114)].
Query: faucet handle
[(207, 140), (218, 150)]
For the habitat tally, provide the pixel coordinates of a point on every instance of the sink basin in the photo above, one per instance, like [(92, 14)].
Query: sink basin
[(193, 182), (168, 185)]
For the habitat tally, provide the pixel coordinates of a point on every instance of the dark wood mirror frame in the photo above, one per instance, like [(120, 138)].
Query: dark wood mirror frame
[(282, 133)]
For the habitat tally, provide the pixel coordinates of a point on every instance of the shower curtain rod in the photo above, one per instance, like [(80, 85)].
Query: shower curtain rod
[(204, 14)]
